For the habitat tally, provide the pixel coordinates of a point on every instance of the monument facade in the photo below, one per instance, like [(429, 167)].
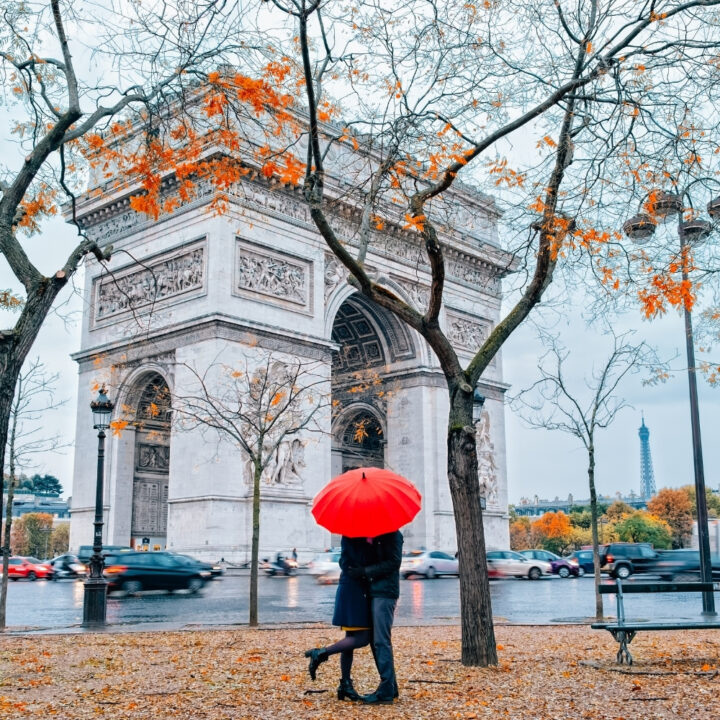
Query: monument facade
[(195, 289)]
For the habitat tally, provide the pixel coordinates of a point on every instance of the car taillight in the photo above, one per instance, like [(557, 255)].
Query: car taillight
[(609, 559), (115, 569)]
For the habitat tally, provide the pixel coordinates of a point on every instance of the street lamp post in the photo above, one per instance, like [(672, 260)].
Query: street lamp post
[(639, 228), (95, 597)]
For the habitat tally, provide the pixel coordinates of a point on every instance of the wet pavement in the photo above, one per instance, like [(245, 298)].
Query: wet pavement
[(46, 605)]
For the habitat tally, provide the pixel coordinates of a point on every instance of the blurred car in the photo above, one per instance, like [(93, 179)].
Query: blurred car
[(681, 565), (428, 563), (508, 563), (325, 567), (215, 569), (67, 566), (132, 572), (85, 552), (560, 566), (583, 560), (28, 568)]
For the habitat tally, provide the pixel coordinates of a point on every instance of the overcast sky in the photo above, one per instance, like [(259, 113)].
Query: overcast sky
[(540, 462)]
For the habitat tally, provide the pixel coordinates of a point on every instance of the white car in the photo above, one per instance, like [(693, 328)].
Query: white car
[(428, 563), (325, 567), (513, 564)]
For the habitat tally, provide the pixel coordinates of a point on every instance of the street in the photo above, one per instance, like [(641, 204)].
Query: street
[(54, 605)]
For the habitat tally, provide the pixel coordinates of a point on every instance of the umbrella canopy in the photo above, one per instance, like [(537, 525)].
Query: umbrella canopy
[(366, 502)]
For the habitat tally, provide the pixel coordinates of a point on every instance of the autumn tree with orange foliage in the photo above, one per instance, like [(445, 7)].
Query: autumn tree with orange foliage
[(674, 507), (429, 94), (555, 531), (71, 72)]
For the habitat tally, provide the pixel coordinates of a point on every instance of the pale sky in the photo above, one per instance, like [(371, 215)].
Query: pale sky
[(548, 464)]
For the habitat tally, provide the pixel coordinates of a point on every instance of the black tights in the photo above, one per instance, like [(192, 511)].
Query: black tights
[(353, 640)]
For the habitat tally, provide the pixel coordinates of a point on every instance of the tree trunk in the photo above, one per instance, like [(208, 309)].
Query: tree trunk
[(594, 529), (257, 473), (478, 634)]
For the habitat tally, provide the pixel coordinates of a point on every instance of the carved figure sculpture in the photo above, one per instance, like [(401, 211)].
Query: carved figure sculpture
[(487, 469)]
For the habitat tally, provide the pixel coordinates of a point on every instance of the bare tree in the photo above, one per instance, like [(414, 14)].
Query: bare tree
[(34, 398), (266, 407), (553, 403)]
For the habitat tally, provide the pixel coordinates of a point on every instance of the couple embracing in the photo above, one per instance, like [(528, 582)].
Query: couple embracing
[(365, 603)]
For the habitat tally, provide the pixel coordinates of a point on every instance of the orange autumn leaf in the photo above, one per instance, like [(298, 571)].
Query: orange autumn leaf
[(416, 222), (117, 426)]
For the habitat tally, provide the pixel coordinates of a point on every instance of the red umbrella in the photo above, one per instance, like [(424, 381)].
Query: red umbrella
[(366, 502)]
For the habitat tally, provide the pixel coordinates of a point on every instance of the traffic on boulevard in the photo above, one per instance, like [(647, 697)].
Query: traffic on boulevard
[(45, 605)]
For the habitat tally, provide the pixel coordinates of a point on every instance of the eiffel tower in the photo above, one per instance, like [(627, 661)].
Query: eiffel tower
[(647, 477)]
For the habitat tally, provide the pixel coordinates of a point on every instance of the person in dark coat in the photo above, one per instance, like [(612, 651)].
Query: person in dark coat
[(383, 575), (352, 614)]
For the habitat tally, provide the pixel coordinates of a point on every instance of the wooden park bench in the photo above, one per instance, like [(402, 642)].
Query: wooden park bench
[(624, 631)]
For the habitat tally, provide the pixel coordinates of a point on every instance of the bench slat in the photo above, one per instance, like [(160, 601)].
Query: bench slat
[(646, 587), (690, 625)]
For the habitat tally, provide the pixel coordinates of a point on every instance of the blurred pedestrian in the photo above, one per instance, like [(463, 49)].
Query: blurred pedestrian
[(352, 614)]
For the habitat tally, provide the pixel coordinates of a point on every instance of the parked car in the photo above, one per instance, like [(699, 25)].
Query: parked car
[(428, 563), (583, 560), (325, 567), (513, 564), (85, 552), (132, 572), (28, 568), (622, 559), (560, 566)]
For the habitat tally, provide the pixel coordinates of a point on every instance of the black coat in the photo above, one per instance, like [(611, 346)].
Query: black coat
[(383, 571), (352, 605)]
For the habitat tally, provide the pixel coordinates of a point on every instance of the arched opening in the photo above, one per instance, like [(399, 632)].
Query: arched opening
[(151, 466), (362, 441)]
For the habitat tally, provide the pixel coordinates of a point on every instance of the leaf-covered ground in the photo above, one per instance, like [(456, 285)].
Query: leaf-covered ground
[(544, 672)]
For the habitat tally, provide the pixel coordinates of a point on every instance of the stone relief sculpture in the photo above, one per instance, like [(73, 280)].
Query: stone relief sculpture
[(465, 333), (288, 461), (487, 469), (154, 457), (164, 279), (335, 273), (285, 466), (273, 276)]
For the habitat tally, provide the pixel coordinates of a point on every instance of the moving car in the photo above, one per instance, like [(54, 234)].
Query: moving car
[(428, 563), (215, 569), (509, 563), (325, 567), (681, 566), (560, 566), (132, 572), (85, 552), (28, 568)]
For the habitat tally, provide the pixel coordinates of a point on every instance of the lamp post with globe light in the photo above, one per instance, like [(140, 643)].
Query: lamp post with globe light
[(95, 595), (640, 228)]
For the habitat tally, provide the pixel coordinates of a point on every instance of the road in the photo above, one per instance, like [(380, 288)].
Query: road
[(56, 605)]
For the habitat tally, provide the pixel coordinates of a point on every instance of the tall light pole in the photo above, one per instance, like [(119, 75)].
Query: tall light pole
[(639, 228), (95, 596)]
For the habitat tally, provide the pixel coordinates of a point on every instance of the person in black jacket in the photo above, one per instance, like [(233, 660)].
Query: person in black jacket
[(352, 614), (383, 576)]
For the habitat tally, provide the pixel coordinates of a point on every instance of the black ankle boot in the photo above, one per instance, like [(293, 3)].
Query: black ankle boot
[(317, 656), (347, 691)]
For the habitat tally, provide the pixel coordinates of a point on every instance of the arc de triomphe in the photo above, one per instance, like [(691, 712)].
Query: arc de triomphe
[(193, 287)]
